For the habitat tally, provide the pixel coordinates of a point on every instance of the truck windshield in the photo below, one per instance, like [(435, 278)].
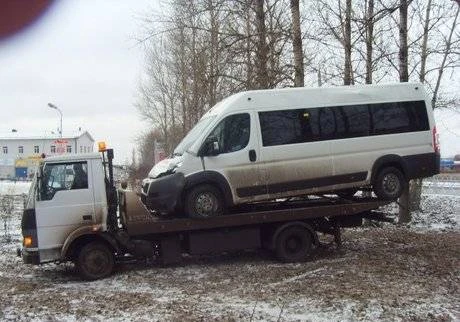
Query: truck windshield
[(193, 134)]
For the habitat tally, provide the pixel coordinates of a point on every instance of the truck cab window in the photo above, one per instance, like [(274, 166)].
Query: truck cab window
[(63, 176), (232, 133)]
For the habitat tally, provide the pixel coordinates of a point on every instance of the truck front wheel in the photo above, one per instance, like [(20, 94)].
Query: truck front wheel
[(94, 261)]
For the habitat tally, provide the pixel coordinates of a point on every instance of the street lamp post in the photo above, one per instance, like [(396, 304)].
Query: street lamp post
[(60, 113)]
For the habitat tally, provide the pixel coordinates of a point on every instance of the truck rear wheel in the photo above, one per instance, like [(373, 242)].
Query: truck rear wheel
[(94, 261), (389, 184), (294, 244), (204, 201)]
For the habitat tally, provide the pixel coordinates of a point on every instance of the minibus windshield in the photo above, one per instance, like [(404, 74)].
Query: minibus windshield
[(192, 135)]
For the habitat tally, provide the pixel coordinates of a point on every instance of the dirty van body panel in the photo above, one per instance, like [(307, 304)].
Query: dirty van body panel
[(304, 186), (212, 177), (371, 153), (242, 164)]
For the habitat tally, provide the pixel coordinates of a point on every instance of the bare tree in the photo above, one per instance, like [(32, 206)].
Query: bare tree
[(262, 48), (297, 48), (348, 75)]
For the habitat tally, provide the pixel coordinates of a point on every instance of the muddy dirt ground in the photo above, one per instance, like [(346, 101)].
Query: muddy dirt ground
[(386, 274)]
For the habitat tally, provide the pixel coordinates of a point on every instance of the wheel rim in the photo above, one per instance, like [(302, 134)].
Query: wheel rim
[(206, 204), (293, 244), (391, 184), (96, 262)]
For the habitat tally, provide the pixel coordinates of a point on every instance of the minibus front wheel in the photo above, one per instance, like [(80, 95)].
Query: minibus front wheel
[(204, 201), (389, 183)]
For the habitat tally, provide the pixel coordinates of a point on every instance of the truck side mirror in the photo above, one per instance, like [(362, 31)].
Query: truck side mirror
[(210, 147)]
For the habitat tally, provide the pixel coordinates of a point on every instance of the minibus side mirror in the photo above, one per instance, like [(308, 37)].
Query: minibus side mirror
[(210, 147)]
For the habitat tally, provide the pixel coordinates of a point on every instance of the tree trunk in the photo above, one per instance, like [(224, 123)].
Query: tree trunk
[(404, 212), (424, 52), (403, 47), (297, 44), (262, 48), (369, 40), (404, 200), (415, 190), (347, 79), (249, 64)]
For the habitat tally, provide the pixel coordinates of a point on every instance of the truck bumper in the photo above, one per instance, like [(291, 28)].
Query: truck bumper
[(29, 257), (163, 194)]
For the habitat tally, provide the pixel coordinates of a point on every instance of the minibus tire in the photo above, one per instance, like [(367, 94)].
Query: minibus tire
[(95, 261), (389, 184), (294, 244), (210, 196)]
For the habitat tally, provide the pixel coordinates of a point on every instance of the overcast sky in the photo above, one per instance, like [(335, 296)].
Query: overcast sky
[(81, 56)]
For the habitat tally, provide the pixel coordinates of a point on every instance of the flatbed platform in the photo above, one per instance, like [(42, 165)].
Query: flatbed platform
[(139, 221)]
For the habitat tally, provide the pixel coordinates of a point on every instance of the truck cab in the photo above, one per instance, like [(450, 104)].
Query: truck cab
[(67, 199)]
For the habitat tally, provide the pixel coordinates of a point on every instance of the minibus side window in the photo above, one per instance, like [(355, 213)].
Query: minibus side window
[(232, 133)]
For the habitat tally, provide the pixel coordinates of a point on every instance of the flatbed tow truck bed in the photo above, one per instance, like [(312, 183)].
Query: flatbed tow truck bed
[(139, 221), (287, 228)]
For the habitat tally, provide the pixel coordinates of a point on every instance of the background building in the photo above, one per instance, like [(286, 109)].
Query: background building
[(19, 154)]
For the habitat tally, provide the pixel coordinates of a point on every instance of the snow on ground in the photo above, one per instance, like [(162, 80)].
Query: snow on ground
[(8, 187), (385, 272)]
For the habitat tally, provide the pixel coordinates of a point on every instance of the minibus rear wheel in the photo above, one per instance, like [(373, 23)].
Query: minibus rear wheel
[(204, 201), (389, 183)]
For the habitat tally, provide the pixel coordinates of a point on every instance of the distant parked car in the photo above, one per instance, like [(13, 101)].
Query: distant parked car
[(447, 164)]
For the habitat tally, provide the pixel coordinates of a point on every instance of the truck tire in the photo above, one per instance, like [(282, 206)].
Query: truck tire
[(204, 201), (294, 244), (94, 261), (389, 183)]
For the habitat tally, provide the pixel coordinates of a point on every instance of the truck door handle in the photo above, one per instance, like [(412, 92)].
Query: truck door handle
[(252, 155), (87, 217)]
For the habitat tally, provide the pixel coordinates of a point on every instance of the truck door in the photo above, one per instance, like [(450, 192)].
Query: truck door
[(65, 203), (237, 158)]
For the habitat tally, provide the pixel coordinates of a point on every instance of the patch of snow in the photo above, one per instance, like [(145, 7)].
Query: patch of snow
[(8, 187)]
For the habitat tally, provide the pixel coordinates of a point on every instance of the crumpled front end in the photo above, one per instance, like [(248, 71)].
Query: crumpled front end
[(163, 194)]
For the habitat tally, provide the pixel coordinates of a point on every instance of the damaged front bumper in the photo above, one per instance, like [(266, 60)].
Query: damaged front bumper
[(163, 194)]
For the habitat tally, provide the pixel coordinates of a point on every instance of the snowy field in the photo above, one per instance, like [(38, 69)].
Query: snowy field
[(383, 272), (14, 187)]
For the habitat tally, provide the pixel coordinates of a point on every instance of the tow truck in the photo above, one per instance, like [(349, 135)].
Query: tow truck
[(75, 213)]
